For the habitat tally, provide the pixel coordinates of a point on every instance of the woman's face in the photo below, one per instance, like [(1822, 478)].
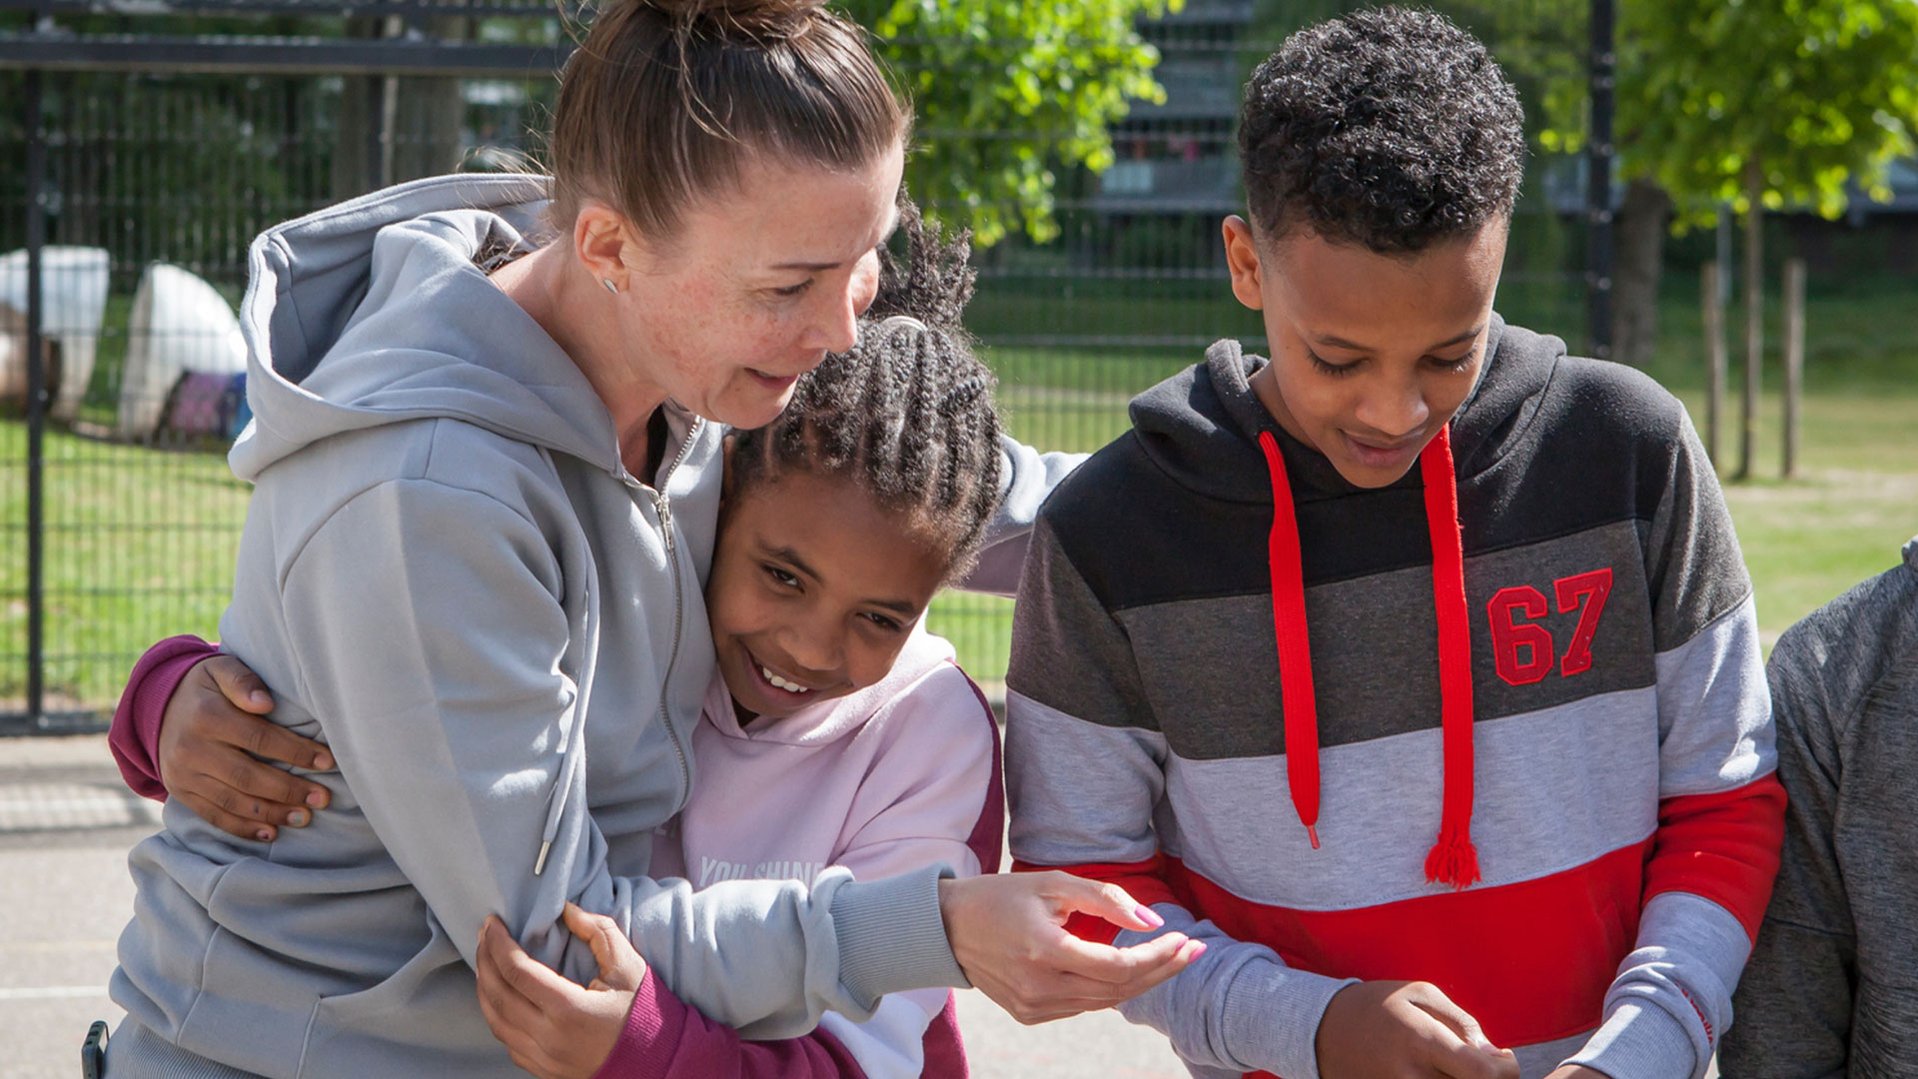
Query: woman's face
[(759, 285)]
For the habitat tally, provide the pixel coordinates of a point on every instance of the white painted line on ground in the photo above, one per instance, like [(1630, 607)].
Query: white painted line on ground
[(54, 992)]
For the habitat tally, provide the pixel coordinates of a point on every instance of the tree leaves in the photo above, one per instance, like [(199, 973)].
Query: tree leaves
[(1007, 91)]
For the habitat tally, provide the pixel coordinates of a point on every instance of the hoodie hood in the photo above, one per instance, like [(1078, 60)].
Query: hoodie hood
[(829, 721), (347, 326), (1200, 425)]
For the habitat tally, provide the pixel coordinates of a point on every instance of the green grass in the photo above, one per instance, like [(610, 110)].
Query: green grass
[(139, 545), (141, 540)]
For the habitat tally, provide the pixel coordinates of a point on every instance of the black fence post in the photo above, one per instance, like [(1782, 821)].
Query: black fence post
[(36, 405), (1598, 158)]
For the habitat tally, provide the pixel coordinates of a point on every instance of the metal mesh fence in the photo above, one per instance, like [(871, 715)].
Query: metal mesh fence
[(155, 184)]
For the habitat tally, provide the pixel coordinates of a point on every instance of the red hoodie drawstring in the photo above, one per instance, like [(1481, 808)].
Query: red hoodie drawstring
[(1453, 860), (1295, 650)]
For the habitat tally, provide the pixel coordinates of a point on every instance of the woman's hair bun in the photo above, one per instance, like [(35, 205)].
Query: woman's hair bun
[(758, 18)]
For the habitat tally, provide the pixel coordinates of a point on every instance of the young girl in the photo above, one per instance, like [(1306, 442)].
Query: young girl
[(836, 731)]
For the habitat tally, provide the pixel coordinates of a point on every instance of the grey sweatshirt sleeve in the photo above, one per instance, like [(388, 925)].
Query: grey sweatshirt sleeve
[(1085, 772), (1672, 994), (1026, 478), (441, 679), (1796, 995)]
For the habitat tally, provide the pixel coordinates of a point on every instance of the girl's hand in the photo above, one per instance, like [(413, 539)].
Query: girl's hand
[(213, 748), (553, 1028), (1008, 933)]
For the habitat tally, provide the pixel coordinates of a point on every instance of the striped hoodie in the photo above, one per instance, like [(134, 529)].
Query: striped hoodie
[(1608, 780)]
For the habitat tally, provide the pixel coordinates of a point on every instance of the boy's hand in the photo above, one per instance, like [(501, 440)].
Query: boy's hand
[(1403, 1029), (213, 745), (551, 1027), (1008, 934)]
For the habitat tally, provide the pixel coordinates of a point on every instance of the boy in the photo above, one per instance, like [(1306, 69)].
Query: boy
[(1537, 647), (1830, 989)]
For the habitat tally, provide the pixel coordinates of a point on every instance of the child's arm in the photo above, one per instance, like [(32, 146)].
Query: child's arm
[(218, 748), (1026, 478), (1795, 999), (1721, 808), (627, 1024)]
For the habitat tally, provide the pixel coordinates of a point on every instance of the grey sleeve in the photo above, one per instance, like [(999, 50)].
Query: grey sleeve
[(1026, 478), (1238, 1007), (439, 677), (1794, 1004), (1672, 993)]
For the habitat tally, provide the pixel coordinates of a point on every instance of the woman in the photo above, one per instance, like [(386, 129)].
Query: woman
[(486, 461)]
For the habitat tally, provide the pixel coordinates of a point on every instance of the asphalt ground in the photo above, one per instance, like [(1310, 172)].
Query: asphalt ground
[(66, 823)]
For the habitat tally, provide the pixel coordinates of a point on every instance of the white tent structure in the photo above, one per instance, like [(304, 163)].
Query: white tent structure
[(179, 325), (73, 295)]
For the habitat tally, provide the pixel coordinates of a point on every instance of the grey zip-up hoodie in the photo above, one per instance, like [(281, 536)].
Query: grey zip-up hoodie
[(449, 577)]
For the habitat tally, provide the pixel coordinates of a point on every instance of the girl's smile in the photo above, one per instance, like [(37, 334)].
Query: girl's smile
[(814, 590)]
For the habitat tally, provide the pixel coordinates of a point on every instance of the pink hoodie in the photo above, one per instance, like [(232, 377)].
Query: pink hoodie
[(900, 775)]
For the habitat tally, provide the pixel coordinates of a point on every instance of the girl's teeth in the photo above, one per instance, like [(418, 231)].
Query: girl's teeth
[(781, 683)]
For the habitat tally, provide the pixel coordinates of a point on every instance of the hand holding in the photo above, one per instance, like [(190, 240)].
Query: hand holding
[(1008, 934), (551, 1027), (213, 750)]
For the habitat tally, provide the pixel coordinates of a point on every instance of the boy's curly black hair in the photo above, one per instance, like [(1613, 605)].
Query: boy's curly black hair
[(907, 412), (1390, 128)]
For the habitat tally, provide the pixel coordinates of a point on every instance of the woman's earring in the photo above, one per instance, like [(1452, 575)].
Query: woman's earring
[(610, 287)]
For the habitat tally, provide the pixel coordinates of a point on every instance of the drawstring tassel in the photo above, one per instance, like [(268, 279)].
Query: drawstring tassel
[(1297, 693), (1453, 860)]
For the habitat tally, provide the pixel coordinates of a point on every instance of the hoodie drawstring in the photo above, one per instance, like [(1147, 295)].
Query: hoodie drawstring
[(1453, 860), (1296, 691)]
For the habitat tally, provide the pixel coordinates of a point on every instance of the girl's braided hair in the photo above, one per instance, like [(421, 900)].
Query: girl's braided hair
[(907, 412)]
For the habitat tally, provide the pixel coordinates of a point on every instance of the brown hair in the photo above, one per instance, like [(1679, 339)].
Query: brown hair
[(666, 98)]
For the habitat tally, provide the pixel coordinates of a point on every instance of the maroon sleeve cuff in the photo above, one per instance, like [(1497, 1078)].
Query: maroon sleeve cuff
[(650, 1040), (135, 734), (664, 1036)]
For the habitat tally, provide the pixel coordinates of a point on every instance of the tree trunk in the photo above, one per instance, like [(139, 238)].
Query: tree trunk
[(393, 130), (1643, 221), (354, 160), (1754, 312)]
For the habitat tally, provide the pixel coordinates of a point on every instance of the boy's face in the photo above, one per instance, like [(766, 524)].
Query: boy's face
[(1371, 353), (815, 585)]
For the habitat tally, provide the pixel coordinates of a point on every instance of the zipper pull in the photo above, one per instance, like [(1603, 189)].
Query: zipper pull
[(665, 509)]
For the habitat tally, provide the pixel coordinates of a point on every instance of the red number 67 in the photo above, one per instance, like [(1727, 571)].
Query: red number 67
[(1512, 639)]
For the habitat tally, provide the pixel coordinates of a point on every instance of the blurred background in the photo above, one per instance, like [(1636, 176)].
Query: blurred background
[(1087, 144)]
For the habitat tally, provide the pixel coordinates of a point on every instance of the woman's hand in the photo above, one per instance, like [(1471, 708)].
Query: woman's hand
[(1008, 933), (553, 1028), (213, 748)]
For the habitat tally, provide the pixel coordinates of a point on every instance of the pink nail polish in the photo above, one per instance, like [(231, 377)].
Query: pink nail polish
[(263, 836), (1147, 915)]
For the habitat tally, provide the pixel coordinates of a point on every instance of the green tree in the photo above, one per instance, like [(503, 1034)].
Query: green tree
[(1759, 104), (1008, 92)]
